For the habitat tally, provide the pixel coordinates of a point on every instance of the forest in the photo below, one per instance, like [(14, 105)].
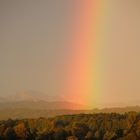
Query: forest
[(100, 126)]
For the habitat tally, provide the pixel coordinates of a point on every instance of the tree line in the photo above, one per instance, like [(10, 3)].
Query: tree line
[(101, 126)]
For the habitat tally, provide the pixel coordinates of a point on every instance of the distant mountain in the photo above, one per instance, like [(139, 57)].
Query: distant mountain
[(31, 95), (36, 100), (35, 109), (117, 109), (19, 110), (32, 104), (41, 105)]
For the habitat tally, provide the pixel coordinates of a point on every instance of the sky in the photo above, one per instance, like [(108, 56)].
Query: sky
[(39, 50)]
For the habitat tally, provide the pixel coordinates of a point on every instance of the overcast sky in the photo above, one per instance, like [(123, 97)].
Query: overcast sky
[(34, 36)]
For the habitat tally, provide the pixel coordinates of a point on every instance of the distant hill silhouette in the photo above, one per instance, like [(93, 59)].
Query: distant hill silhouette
[(35, 109), (28, 104), (54, 105), (117, 109)]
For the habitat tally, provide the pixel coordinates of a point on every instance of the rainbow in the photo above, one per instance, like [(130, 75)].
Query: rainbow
[(82, 83)]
